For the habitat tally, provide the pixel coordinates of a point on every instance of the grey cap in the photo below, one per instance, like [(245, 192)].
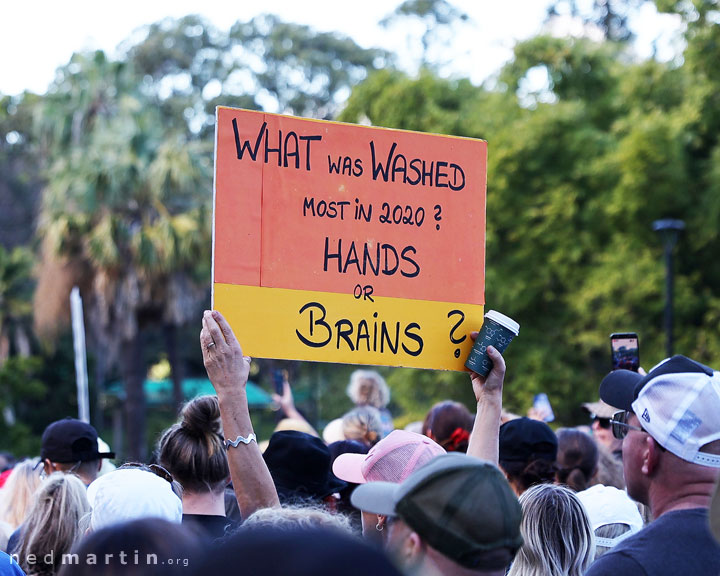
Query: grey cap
[(460, 505)]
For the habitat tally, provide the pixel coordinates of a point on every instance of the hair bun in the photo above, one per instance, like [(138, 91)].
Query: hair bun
[(201, 416)]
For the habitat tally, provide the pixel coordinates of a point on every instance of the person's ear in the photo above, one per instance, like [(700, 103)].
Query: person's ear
[(650, 456), (48, 467), (413, 549)]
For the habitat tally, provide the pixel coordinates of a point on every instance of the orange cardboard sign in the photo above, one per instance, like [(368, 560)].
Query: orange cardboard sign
[(343, 243)]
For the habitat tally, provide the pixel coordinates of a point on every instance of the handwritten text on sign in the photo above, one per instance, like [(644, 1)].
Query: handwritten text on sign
[(343, 243)]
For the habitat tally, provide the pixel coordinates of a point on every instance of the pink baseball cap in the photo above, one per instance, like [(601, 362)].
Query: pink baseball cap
[(392, 459)]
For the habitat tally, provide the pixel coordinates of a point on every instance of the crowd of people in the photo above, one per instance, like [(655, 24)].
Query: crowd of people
[(487, 493)]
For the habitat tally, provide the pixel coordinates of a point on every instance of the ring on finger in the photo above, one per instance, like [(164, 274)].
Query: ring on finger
[(210, 345)]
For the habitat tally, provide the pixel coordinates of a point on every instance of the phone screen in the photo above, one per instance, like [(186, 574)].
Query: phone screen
[(625, 352)]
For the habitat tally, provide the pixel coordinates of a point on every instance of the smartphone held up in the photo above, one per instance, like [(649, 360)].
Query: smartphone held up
[(625, 351)]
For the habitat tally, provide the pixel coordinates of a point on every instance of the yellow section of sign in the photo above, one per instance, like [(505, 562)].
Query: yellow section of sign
[(348, 328)]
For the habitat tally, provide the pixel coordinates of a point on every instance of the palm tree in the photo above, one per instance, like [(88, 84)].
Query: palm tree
[(126, 212)]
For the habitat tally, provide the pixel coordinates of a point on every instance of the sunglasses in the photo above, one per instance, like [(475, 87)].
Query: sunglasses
[(604, 423), (43, 475), (620, 427)]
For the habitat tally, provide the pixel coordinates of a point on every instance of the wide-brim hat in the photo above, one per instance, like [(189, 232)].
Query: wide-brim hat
[(299, 464), (599, 409)]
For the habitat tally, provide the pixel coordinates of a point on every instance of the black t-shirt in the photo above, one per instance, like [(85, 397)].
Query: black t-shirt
[(678, 542), (211, 526)]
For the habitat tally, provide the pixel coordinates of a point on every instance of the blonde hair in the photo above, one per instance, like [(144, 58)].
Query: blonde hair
[(363, 424), (368, 388), (17, 495), (297, 516), (53, 523), (558, 538), (611, 531)]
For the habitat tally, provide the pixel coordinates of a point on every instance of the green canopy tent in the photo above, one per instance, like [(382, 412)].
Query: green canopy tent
[(161, 391)]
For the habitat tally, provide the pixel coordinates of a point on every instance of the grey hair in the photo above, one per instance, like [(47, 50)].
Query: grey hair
[(363, 424), (558, 537), (297, 516), (368, 388)]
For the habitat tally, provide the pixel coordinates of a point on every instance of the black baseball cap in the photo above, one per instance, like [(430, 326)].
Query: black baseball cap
[(525, 439), (71, 440)]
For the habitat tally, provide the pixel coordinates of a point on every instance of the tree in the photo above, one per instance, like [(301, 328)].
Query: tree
[(611, 17), (126, 212), (576, 176), (437, 21), (263, 63), (15, 302), (127, 207)]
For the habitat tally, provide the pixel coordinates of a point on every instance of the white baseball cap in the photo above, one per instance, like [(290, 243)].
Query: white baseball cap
[(608, 505), (131, 493), (677, 403)]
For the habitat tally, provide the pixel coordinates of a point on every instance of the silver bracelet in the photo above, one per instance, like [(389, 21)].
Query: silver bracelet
[(235, 443)]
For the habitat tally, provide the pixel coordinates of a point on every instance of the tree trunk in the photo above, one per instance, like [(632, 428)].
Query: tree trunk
[(176, 368), (100, 371), (135, 409)]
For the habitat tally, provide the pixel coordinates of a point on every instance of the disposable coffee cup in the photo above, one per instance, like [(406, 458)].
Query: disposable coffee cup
[(497, 330)]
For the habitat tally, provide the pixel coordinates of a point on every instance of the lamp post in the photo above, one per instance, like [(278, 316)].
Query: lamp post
[(669, 229)]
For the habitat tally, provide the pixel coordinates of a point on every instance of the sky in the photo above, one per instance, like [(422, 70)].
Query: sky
[(36, 37)]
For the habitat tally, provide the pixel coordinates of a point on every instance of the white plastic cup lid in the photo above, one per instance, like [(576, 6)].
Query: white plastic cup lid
[(503, 320)]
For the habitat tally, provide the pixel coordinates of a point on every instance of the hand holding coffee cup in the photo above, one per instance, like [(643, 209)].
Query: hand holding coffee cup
[(498, 331)]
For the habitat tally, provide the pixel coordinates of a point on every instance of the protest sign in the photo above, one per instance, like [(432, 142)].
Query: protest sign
[(342, 243)]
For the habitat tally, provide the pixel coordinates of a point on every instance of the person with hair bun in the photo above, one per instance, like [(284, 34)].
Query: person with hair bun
[(449, 423), (193, 451), (577, 459), (363, 424)]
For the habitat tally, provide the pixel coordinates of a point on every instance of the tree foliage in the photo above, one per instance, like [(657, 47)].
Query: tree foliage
[(577, 174), (16, 285), (437, 19), (579, 168), (127, 146)]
